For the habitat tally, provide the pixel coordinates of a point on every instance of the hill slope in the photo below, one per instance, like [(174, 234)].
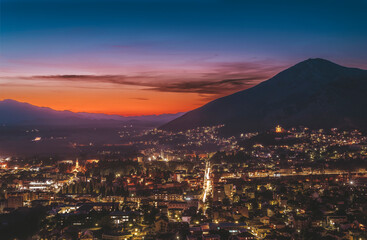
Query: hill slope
[(315, 93)]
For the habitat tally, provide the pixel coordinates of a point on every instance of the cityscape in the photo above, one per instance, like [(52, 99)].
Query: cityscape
[(278, 184), (183, 120)]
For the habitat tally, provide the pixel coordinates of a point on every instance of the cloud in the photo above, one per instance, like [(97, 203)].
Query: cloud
[(201, 86), (209, 87), (141, 99), (216, 79)]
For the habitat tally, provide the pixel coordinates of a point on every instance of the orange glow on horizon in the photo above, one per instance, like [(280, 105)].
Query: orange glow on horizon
[(114, 102)]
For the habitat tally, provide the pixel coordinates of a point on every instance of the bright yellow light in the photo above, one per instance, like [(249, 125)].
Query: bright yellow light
[(278, 129)]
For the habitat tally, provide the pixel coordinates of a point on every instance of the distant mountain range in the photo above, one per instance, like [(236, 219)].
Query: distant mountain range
[(19, 113), (315, 93)]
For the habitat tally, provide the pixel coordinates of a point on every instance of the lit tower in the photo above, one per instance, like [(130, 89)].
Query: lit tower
[(77, 164), (78, 168)]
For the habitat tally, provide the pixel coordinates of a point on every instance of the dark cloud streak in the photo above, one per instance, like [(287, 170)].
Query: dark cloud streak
[(206, 86), (220, 80)]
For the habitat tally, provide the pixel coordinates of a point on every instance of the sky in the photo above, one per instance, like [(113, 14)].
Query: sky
[(147, 57)]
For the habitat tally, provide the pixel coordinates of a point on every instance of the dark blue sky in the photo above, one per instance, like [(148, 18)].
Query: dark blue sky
[(175, 41)]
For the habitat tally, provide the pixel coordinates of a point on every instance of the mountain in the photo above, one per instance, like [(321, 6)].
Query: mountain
[(19, 113), (316, 93)]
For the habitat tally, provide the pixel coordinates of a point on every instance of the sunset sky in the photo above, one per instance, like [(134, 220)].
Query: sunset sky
[(150, 57)]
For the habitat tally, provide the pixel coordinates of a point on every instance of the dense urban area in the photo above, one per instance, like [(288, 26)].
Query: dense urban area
[(197, 184)]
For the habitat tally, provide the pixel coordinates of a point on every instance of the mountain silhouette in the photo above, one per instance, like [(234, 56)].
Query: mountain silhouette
[(20, 113), (315, 93)]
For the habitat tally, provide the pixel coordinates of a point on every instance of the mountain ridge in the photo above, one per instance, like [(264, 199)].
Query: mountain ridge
[(13, 112)]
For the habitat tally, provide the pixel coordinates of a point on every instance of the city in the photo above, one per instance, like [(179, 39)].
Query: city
[(278, 184)]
